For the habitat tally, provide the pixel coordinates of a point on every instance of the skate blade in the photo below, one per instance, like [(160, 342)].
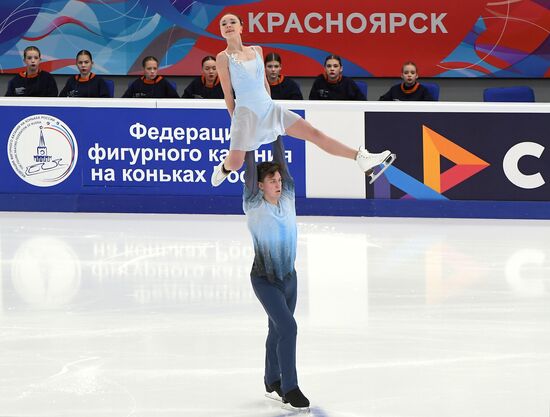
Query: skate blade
[(288, 407), (384, 166), (273, 396)]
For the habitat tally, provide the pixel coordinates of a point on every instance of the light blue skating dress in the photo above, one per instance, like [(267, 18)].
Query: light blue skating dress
[(257, 119)]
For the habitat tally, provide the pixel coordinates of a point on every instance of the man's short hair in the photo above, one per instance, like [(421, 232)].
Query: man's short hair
[(267, 169)]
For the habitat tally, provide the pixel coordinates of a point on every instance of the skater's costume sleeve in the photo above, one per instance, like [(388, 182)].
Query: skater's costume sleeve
[(251, 192), (279, 157)]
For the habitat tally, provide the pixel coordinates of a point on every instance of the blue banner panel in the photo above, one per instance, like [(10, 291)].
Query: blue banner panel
[(121, 151), (462, 156)]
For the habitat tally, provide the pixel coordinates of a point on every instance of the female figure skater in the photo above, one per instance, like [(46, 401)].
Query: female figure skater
[(208, 84), (333, 85), (282, 88), (410, 89), (151, 84), (269, 205), (86, 83), (33, 82), (256, 119)]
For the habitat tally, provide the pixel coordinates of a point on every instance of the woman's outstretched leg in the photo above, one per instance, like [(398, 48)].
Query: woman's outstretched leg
[(302, 129), (367, 161)]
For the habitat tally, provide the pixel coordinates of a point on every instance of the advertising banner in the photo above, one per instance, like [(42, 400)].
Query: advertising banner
[(462, 156), (445, 38), (453, 160), (72, 150)]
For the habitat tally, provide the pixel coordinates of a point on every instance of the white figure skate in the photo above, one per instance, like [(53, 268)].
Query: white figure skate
[(273, 396), (369, 161), (218, 176), (273, 391)]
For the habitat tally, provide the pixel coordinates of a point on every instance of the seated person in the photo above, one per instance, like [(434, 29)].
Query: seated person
[(410, 89), (208, 84), (332, 85), (86, 83), (150, 84), (33, 82), (282, 88)]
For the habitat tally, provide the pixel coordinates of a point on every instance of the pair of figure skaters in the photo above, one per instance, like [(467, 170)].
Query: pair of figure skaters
[(268, 197)]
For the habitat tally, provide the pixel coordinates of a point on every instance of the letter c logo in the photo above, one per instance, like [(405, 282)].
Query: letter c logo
[(510, 165)]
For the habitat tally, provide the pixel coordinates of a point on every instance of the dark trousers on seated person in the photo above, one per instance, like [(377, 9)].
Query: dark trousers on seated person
[(279, 302)]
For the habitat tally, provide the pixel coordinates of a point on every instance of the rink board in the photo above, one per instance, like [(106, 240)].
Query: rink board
[(156, 156)]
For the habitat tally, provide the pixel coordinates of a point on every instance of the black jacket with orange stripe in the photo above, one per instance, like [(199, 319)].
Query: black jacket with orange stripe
[(285, 89), (343, 89), (94, 86), (198, 89), (40, 85), (157, 88), (400, 92)]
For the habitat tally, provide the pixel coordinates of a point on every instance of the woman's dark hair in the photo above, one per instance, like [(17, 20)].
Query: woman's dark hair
[(207, 58), (31, 48), (149, 58), (84, 52), (267, 169), (273, 56), (336, 57)]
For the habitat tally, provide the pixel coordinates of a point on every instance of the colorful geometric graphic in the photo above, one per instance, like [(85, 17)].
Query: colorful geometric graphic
[(435, 146), (436, 182), (446, 38)]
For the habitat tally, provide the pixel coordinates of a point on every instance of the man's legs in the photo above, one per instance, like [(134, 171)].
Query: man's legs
[(279, 302)]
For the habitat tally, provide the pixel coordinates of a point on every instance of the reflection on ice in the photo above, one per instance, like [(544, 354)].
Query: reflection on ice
[(142, 315), (45, 272)]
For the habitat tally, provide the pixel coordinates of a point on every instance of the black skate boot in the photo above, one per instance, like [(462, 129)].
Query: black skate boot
[(296, 400), (273, 391)]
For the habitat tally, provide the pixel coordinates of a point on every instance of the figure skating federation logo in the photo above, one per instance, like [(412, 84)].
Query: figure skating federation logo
[(42, 150)]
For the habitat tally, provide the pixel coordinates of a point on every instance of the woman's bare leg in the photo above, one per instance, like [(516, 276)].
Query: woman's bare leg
[(302, 129), (234, 160)]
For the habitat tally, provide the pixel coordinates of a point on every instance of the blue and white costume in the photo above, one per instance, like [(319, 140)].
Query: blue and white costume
[(273, 227), (273, 277), (257, 119)]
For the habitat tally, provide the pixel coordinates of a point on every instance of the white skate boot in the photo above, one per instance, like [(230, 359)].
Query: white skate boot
[(369, 161), (273, 391), (218, 176)]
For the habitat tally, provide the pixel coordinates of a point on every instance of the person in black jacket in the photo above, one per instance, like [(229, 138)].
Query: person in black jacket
[(410, 89), (282, 88), (333, 85), (85, 83), (33, 82), (150, 84), (208, 84)]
